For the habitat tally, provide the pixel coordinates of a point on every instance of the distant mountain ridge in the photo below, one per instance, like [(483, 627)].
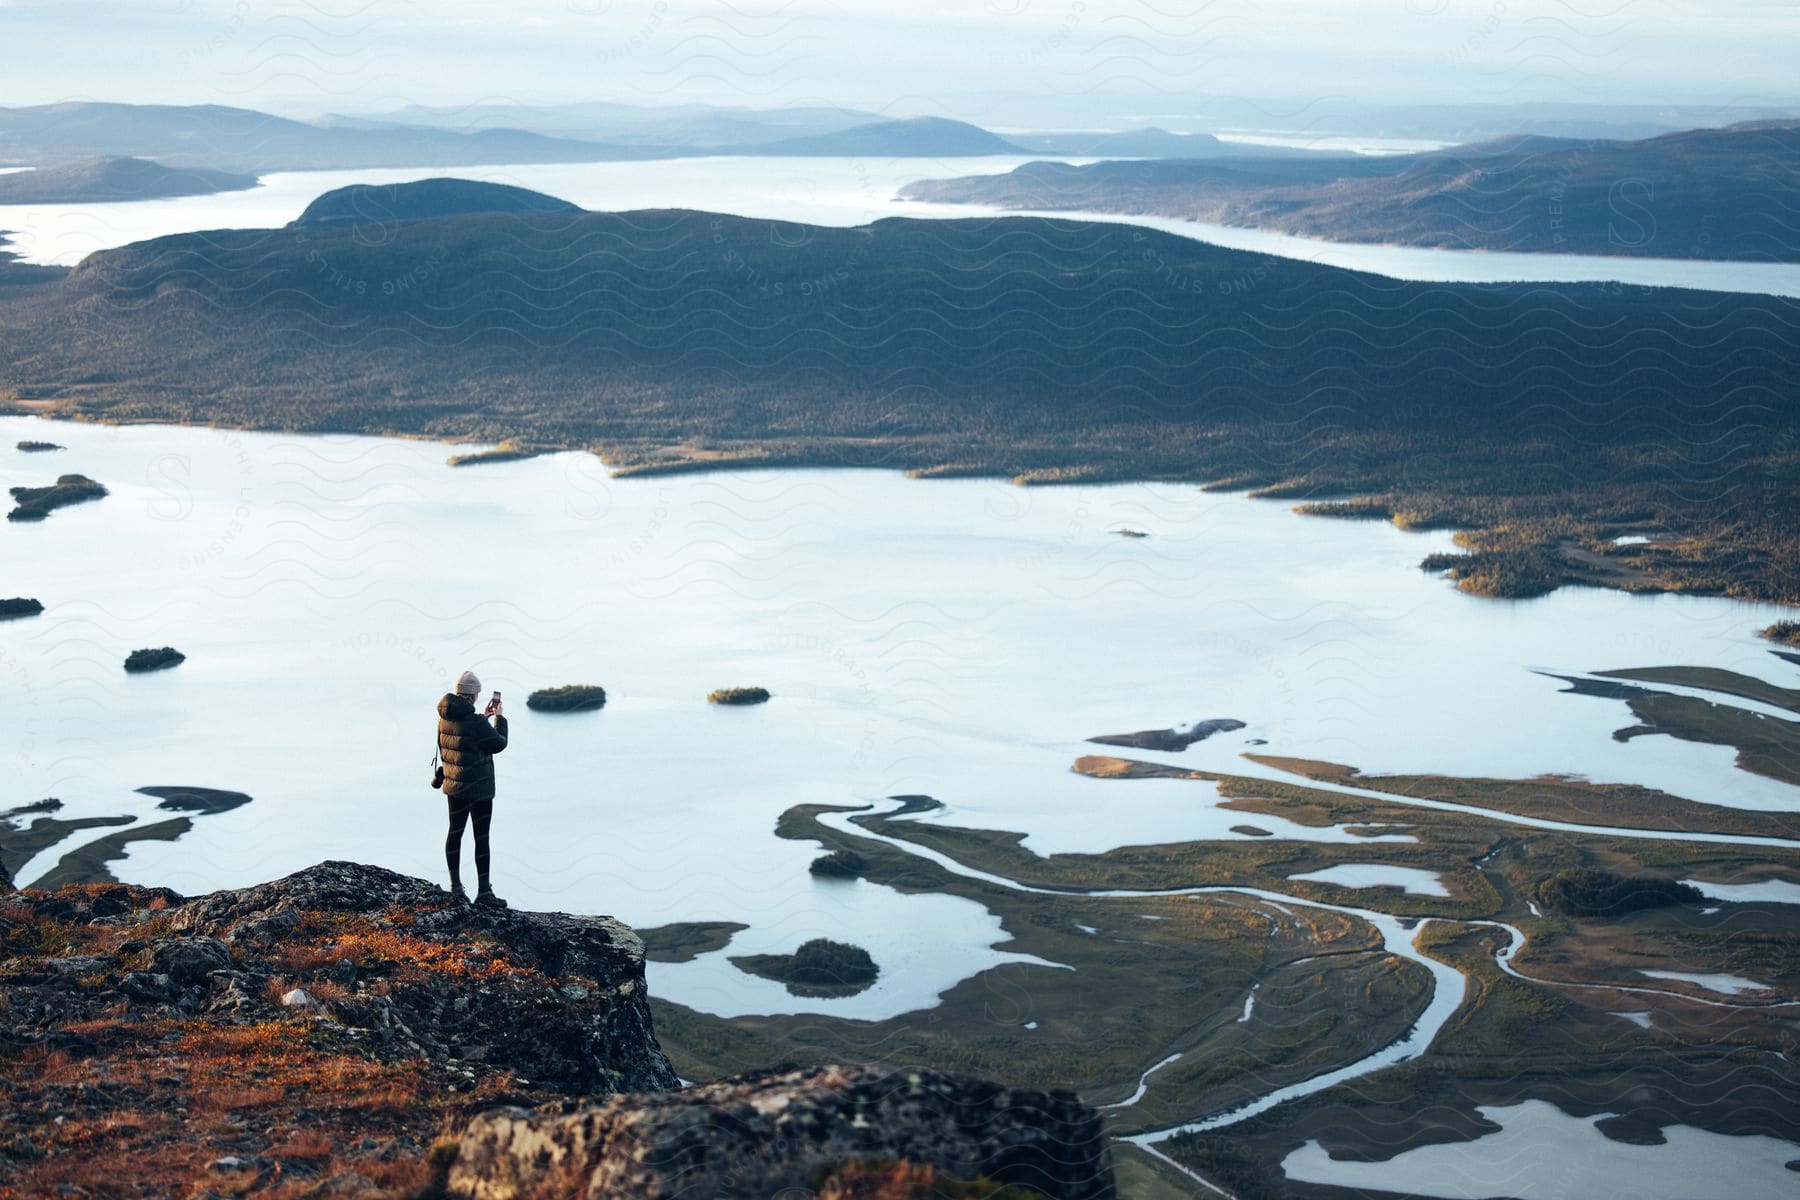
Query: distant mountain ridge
[(932, 136), (114, 179), (223, 138), (1731, 193), (702, 126), (1148, 142)]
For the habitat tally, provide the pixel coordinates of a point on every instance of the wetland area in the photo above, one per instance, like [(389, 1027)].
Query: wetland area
[(1296, 933)]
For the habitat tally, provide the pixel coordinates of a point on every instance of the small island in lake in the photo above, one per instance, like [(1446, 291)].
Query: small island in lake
[(738, 695), (1785, 632), (34, 504), (188, 798), (159, 659), (574, 697), (20, 606), (31, 447), (819, 968)]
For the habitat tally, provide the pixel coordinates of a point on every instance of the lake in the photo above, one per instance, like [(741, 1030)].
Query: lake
[(1542, 1153), (827, 191), (958, 638)]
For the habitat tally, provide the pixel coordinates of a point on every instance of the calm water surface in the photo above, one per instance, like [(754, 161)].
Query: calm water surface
[(959, 638)]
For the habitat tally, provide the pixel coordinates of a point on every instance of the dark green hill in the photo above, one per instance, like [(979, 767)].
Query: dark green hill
[(1706, 193), (109, 179), (1547, 416), (426, 198)]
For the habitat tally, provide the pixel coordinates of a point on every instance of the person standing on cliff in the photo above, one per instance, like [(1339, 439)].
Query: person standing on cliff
[(467, 744)]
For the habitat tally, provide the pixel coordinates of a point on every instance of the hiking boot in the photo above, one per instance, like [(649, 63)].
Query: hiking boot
[(457, 894), (486, 899)]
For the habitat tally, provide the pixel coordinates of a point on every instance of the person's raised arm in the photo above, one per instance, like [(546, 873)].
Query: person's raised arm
[(490, 739)]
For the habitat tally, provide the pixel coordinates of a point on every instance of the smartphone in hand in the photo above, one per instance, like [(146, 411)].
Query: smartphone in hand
[(493, 705)]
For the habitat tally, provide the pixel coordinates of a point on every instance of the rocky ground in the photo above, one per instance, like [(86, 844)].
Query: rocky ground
[(352, 1032)]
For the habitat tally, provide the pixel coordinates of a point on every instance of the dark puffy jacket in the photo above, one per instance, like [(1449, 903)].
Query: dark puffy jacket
[(467, 744)]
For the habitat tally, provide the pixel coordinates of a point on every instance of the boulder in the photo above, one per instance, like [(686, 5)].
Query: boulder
[(758, 1135), (190, 961), (143, 987)]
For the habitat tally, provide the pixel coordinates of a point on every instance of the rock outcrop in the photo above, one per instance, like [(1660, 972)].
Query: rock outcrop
[(777, 1134), (558, 999), (316, 1035)]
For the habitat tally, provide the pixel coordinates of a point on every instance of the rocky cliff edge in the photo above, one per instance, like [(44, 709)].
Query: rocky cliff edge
[(351, 1032)]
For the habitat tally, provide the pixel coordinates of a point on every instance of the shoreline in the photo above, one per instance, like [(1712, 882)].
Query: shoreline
[(1604, 574)]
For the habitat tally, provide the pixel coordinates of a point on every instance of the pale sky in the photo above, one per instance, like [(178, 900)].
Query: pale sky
[(981, 60)]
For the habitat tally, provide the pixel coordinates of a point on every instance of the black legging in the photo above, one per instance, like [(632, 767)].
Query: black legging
[(460, 812)]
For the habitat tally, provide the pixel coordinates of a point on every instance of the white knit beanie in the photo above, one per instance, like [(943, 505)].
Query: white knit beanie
[(468, 684)]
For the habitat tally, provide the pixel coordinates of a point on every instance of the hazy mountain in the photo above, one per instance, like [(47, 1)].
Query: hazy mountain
[(1311, 113), (1706, 193), (696, 125), (212, 136), (105, 179), (1465, 123), (1146, 143), (922, 137)]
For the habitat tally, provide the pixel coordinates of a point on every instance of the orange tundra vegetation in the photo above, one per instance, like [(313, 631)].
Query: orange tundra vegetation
[(114, 1101)]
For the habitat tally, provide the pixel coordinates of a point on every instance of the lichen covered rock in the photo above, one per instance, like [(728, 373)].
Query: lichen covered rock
[(757, 1135), (556, 998)]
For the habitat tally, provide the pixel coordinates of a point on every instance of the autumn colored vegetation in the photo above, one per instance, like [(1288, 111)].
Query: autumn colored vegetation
[(106, 1095)]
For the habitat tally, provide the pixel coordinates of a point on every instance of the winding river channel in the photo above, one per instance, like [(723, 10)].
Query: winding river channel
[(1399, 937)]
